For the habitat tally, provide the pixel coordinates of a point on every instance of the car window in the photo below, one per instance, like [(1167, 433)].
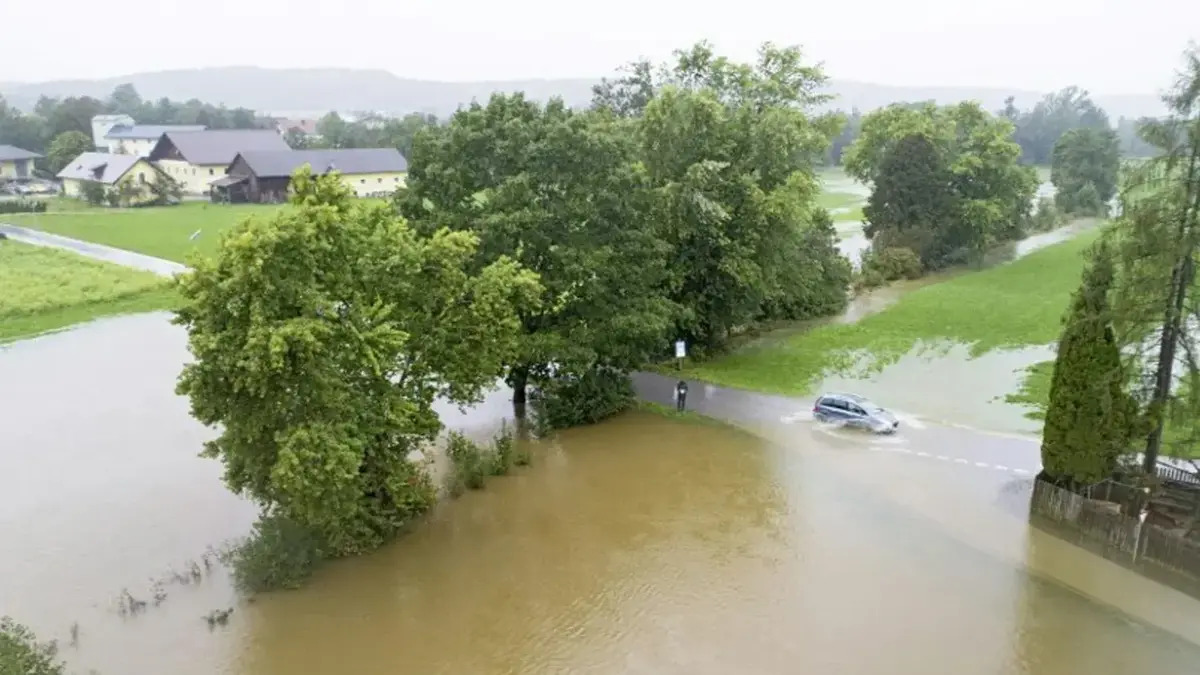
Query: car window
[(835, 404), (856, 409)]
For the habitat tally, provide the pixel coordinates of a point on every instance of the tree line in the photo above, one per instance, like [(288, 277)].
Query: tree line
[(367, 131), (51, 117), (1035, 130), (1126, 375)]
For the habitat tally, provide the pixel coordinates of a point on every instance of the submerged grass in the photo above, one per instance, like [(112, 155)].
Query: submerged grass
[(1013, 305), (46, 289)]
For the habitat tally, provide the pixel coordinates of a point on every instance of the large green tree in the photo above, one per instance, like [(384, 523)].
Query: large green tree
[(912, 203), (1157, 305), (561, 192), (1089, 419), (729, 148), (1085, 169), (989, 194), (66, 147), (321, 337)]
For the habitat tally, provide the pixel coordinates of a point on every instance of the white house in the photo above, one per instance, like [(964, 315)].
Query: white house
[(102, 124), (139, 139)]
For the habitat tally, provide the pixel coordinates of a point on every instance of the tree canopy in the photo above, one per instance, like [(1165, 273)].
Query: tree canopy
[(321, 337), (1085, 169), (65, 147), (559, 191), (1156, 306), (976, 193), (1038, 129)]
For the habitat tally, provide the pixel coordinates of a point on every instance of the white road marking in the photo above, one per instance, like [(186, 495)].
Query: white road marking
[(923, 454), (1001, 467), (943, 458), (1023, 472), (982, 465)]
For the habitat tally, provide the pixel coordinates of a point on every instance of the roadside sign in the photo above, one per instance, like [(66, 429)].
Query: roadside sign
[(680, 349)]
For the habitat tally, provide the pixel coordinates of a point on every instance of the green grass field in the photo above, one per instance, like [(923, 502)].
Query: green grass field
[(163, 232), (46, 289), (1012, 305)]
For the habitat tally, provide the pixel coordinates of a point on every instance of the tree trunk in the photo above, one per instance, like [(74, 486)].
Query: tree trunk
[(518, 379)]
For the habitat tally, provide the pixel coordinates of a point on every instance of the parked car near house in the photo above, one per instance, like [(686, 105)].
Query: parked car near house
[(855, 411)]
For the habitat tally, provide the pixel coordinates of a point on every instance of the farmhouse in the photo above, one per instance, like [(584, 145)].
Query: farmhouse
[(16, 163), (197, 158), (139, 139), (263, 176), (109, 170), (102, 124)]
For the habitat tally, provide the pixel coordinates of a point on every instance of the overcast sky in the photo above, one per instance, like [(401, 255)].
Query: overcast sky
[(1107, 46)]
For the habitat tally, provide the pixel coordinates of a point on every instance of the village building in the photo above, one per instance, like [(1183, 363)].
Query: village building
[(264, 176), (107, 169), (194, 159), (139, 139), (102, 124), (16, 162)]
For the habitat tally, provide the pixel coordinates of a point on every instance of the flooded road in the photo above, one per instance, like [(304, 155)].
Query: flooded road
[(642, 545)]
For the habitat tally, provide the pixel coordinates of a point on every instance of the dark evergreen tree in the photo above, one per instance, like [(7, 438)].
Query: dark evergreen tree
[(912, 203), (1090, 417)]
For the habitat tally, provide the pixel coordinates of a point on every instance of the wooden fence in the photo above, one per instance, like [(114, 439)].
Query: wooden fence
[(1100, 526)]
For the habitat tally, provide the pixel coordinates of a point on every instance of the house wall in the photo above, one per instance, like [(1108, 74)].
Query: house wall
[(192, 178), (367, 184), (16, 168), (131, 146)]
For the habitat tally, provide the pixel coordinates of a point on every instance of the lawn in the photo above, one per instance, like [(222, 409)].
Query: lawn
[(1012, 305), (838, 200), (163, 232), (45, 289)]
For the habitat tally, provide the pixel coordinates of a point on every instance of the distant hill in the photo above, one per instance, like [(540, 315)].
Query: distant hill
[(321, 89)]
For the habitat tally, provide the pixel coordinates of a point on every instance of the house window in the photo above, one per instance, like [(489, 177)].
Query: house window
[(142, 178), (210, 172), (363, 181), (396, 179), (378, 180)]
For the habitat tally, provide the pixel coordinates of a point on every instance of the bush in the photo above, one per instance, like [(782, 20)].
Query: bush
[(22, 654), (889, 264), (569, 399), (93, 192), (471, 466), (279, 554), (23, 206), (1046, 216)]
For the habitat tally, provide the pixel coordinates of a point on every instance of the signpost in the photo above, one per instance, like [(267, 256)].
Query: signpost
[(680, 388)]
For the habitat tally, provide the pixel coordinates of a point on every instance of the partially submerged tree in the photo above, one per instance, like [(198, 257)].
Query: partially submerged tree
[(1085, 168), (1158, 308), (560, 192), (965, 179), (729, 149), (1089, 418), (322, 336)]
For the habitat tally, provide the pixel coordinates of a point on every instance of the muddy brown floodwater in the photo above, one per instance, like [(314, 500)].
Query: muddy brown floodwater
[(641, 545)]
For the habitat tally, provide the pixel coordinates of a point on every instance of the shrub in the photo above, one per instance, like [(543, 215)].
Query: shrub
[(22, 206), (570, 399), (1046, 216), (22, 654), (471, 466), (505, 454), (93, 192), (887, 265), (279, 554)]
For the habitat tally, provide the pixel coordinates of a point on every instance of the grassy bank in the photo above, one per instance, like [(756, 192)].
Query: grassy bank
[(163, 232), (46, 289), (1012, 305)]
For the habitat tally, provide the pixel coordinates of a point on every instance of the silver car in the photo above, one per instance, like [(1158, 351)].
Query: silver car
[(853, 410)]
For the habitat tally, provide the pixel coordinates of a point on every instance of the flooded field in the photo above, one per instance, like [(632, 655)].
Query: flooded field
[(642, 545)]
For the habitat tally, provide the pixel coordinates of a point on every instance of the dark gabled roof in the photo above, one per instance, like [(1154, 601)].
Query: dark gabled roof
[(10, 152), (217, 146), (144, 131), (99, 166), (270, 164)]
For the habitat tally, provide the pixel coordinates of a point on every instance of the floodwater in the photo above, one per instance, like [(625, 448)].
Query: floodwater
[(641, 545)]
